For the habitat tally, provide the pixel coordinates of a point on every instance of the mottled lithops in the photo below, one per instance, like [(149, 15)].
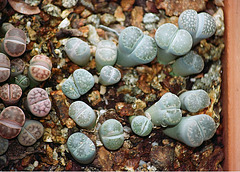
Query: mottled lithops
[(172, 42), (111, 134), (81, 148), (79, 83), (141, 125), (82, 114), (200, 26), (193, 130), (10, 94), (106, 54), (78, 51), (3, 145), (17, 67), (109, 75), (194, 100), (166, 112), (135, 48), (31, 131), (4, 67), (22, 80), (12, 119), (38, 102)]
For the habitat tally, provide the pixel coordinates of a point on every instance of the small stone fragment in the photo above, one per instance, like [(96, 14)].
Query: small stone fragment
[(107, 19), (137, 16), (127, 5), (119, 15), (69, 3), (52, 10)]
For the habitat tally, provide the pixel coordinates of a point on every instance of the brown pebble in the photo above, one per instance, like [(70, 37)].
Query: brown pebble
[(127, 4), (137, 16)]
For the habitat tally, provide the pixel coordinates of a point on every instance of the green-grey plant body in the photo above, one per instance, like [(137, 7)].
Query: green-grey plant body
[(141, 125), (82, 114), (22, 80), (78, 51), (81, 148), (106, 54), (172, 42), (3, 145), (200, 26), (79, 83), (193, 130), (194, 100), (166, 111), (109, 75), (135, 48), (111, 134)]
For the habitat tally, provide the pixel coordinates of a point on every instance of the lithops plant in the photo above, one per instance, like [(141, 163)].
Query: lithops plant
[(23, 81), (166, 111), (17, 67), (78, 51), (194, 100), (172, 42), (193, 130), (4, 67), (31, 131), (38, 102), (106, 54), (111, 134), (10, 94), (3, 145), (79, 83), (141, 125), (135, 48), (4, 28), (12, 119), (200, 26), (109, 75), (81, 148)]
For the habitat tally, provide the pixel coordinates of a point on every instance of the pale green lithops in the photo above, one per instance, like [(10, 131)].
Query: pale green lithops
[(191, 63), (141, 125), (81, 148), (22, 80), (78, 51), (106, 54), (79, 83), (200, 26), (135, 48), (82, 114), (166, 112), (193, 130), (172, 42), (111, 134), (194, 100), (109, 75), (3, 145)]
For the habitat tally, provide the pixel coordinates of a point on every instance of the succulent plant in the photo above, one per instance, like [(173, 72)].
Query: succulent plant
[(10, 94), (106, 54), (12, 119), (194, 100), (78, 51), (189, 64), (31, 131), (3, 145), (166, 111), (111, 134), (172, 42), (5, 27), (23, 81), (79, 83), (141, 125), (4, 67), (17, 67), (38, 102), (81, 148), (193, 130), (200, 26), (109, 75), (135, 48)]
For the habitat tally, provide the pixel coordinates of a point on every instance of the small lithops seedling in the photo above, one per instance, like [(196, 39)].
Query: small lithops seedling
[(200, 26), (190, 64), (12, 119), (106, 54), (17, 67), (193, 130), (82, 114), (81, 148), (135, 48), (3, 145), (79, 83), (166, 112), (172, 42), (4, 28), (78, 51), (38, 102), (109, 75), (10, 94), (4, 67), (31, 131), (194, 100), (111, 134), (22, 80), (141, 125)]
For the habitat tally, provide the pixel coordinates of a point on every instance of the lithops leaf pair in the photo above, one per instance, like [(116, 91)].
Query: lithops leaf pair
[(135, 48), (109, 75), (3, 145), (22, 81), (141, 125), (193, 130), (10, 94), (4, 67), (17, 67)]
